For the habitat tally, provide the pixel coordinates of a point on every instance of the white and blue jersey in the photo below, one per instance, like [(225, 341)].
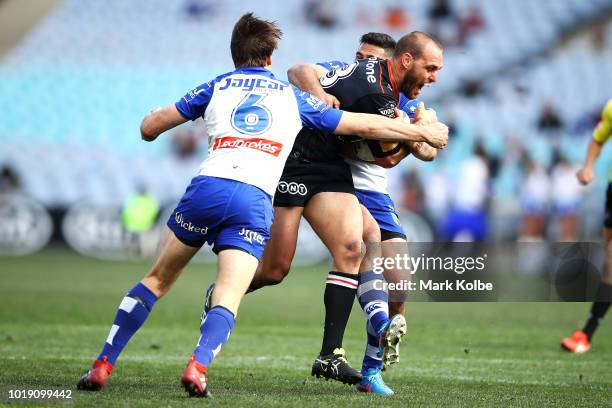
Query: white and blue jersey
[(252, 120), (370, 180)]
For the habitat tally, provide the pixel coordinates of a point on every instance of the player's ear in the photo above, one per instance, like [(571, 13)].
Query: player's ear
[(407, 60), (269, 60)]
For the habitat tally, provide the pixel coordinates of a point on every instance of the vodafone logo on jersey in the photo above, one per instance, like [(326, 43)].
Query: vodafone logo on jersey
[(263, 145)]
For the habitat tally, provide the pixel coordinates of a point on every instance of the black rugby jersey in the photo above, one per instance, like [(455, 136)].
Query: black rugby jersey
[(364, 86)]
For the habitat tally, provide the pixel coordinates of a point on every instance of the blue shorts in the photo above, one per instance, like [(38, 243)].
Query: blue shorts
[(223, 213), (382, 208)]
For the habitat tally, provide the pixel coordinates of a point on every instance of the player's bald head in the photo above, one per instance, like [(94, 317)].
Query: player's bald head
[(415, 43), (418, 58)]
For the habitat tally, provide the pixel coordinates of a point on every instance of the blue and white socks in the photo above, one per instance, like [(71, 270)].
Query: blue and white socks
[(134, 310), (132, 313), (374, 301), (215, 331), (372, 359)]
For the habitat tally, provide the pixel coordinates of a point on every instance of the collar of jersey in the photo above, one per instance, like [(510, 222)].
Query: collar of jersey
[(390, 73), (255, 70)]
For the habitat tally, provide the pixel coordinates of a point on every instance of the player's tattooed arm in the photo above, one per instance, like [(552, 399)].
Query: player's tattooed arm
[(160, 120), (306, 77)]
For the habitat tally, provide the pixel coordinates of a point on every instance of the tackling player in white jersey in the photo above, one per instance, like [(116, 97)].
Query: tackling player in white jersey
[(252, 119)]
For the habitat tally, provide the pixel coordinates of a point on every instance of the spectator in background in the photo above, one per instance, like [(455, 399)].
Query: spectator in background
[(473, 87), (321, 13), (549, 119), (396, 18), (139, 216), (534, 197), (413, 194), (470, 23), (184, 143), (566, 196), (467, 219), (438, 196), (443, 21), (440, 11), (599, 38), (200, 9), (9, 180)]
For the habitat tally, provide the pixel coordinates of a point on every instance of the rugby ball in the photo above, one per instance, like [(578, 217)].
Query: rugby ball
[(376, 151)]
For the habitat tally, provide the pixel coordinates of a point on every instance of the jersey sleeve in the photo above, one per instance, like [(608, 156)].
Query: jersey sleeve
[(332, 65), (315, 113), (408, 105), (194, 103), (603, 130)]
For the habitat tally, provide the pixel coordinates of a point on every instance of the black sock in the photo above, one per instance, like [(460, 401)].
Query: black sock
[(339, 296), (598, 309)]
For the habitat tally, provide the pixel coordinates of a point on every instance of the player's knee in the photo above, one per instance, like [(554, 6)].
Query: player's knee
[(349, 255), (158, 281), (371, 235), (371, 232), (275, 274)]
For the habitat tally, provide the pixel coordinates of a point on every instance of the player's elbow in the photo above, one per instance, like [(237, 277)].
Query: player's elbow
[(294, 73), (147, 133), (291, 72)]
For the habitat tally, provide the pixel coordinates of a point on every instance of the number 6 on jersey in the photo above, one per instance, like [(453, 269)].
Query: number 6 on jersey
[(250, 116)]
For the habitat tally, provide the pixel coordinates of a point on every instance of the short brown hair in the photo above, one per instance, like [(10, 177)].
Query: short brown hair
[(414, 43), (253, 41)]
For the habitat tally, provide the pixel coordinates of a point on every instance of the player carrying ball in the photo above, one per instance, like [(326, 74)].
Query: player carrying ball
[(252, 120)]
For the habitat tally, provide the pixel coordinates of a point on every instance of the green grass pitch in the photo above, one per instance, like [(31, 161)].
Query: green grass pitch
[(57, 308)]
